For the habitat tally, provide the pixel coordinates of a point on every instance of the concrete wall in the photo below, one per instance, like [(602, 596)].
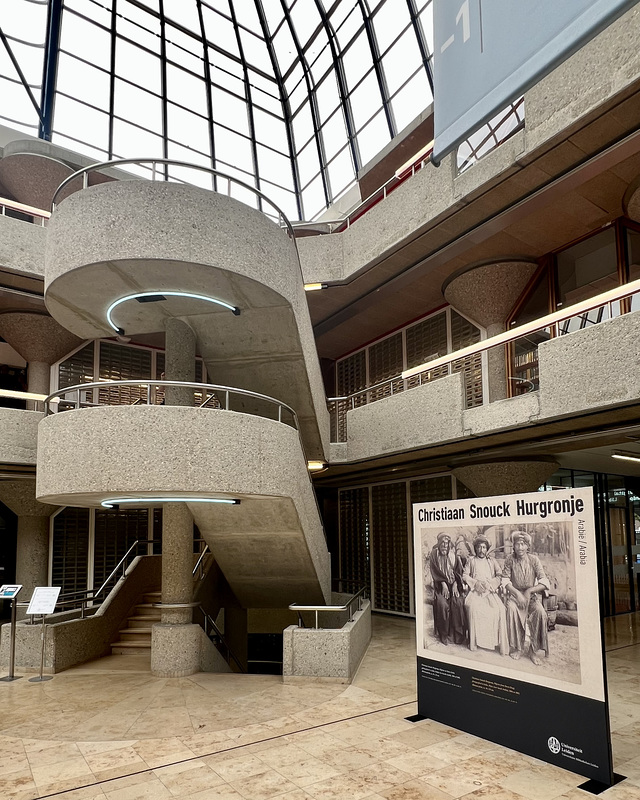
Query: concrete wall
[(22, 246), (76, 641), (592, 368), (18, 435), (327, 653), (415, 418)]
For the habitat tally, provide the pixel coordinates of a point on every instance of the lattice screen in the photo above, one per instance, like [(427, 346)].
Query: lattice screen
[(78, 368), (121, 363), (354, 538), (464, 333), (391, 557), (115, 532), (426, 340), (385, 361), (428, 490), (70, 549)]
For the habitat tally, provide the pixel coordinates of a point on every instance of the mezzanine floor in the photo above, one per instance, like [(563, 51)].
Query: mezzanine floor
[(108, 729)]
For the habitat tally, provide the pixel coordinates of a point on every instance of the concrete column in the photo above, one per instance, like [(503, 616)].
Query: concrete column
[(487, 294), (631, 201), (505, 477), (32, 545), (179, 360), (32, 554), (40, 341), (175, 642)]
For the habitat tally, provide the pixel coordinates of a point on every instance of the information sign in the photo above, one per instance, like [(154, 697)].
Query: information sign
[(509, 634), (9, 591), (43, 600)]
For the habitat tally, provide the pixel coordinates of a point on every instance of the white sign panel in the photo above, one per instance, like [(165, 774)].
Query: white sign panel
[(43, 600)]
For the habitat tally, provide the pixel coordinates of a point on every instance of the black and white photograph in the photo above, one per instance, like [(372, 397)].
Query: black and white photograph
[(503, 595)]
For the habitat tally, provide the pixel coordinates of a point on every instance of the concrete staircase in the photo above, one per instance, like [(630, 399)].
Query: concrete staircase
[(135, 637)]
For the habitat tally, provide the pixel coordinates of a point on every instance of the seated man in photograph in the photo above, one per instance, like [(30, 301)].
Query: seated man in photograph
[(525, 584), (485, 610), (448, 606)]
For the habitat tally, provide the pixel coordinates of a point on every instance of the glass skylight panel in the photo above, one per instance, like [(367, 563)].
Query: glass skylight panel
[(134, 63), (242, 41), (84, 81), (81, 122), (389, 21), (190, 129), (365, 100), (86, 40), (231, 109), (305, 20), (404, 102), (132, 141), (373, 137), (401, 61)]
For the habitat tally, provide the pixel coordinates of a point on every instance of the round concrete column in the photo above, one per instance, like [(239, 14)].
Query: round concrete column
[(179, 360), (175, 642), (32, 551), (505, 477), (40, 340), (487, 294)]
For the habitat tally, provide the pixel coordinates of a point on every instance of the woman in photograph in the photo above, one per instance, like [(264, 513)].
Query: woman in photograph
[(486, 614)]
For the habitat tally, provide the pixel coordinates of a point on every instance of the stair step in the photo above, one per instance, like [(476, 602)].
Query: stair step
[(146, 609), (130, 633), (152, 597), (142, 622), (130, 649)]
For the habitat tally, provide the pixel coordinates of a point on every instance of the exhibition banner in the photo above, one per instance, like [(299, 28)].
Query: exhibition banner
[(509, 635), (486, 54)]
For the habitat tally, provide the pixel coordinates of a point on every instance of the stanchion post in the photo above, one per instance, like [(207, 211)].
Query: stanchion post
[(11, 592), (42, 677)]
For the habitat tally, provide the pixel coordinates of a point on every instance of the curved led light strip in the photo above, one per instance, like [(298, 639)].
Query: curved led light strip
[(118, 501), (161, 292)]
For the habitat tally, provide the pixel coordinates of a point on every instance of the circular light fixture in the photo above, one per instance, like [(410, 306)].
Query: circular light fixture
[(150, 297), (116, 502)]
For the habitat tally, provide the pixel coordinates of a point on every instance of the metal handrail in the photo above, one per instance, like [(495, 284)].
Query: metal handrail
[(205, 552), (85, 171), (359, 596), (30, 211), (152, 384), (552, 320), (209, 620), (90, 595)]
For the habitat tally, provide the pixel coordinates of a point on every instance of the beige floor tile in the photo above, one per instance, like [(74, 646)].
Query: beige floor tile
[(415, 790), (188, 778), (263, 786), (533, 786)]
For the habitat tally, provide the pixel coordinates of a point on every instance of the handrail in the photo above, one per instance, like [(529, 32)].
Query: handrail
[(86, 595), (359, 596), (31, 211), (152, 384), (205, 551), (550, 320), (208, 619), (84, 173)]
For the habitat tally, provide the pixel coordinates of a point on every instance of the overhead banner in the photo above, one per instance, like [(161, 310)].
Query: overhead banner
[(487, 54), (508, 626)]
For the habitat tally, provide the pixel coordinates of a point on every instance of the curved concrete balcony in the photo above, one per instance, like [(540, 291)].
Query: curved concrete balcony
[(270, 546), (18, 436), (115, 240)]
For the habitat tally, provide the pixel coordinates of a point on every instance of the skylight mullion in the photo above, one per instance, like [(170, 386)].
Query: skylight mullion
[(375, 55), (422, 43), (49, 71), (163, 84), (208, 82), (247, 89), (342, 86), (313, 106), (284, 100)]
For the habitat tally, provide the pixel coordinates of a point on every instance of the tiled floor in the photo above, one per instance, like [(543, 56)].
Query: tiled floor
[(109, 730)]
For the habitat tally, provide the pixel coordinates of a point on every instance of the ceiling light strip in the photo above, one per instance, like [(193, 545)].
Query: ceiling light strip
[(234, 309)]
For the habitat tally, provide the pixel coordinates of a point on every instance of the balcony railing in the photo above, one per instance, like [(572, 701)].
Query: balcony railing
[(149, 392), (10, 208), (567, 320)]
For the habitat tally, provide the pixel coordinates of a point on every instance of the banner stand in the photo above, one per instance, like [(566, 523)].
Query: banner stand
[(596, 787), (415, 718)]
